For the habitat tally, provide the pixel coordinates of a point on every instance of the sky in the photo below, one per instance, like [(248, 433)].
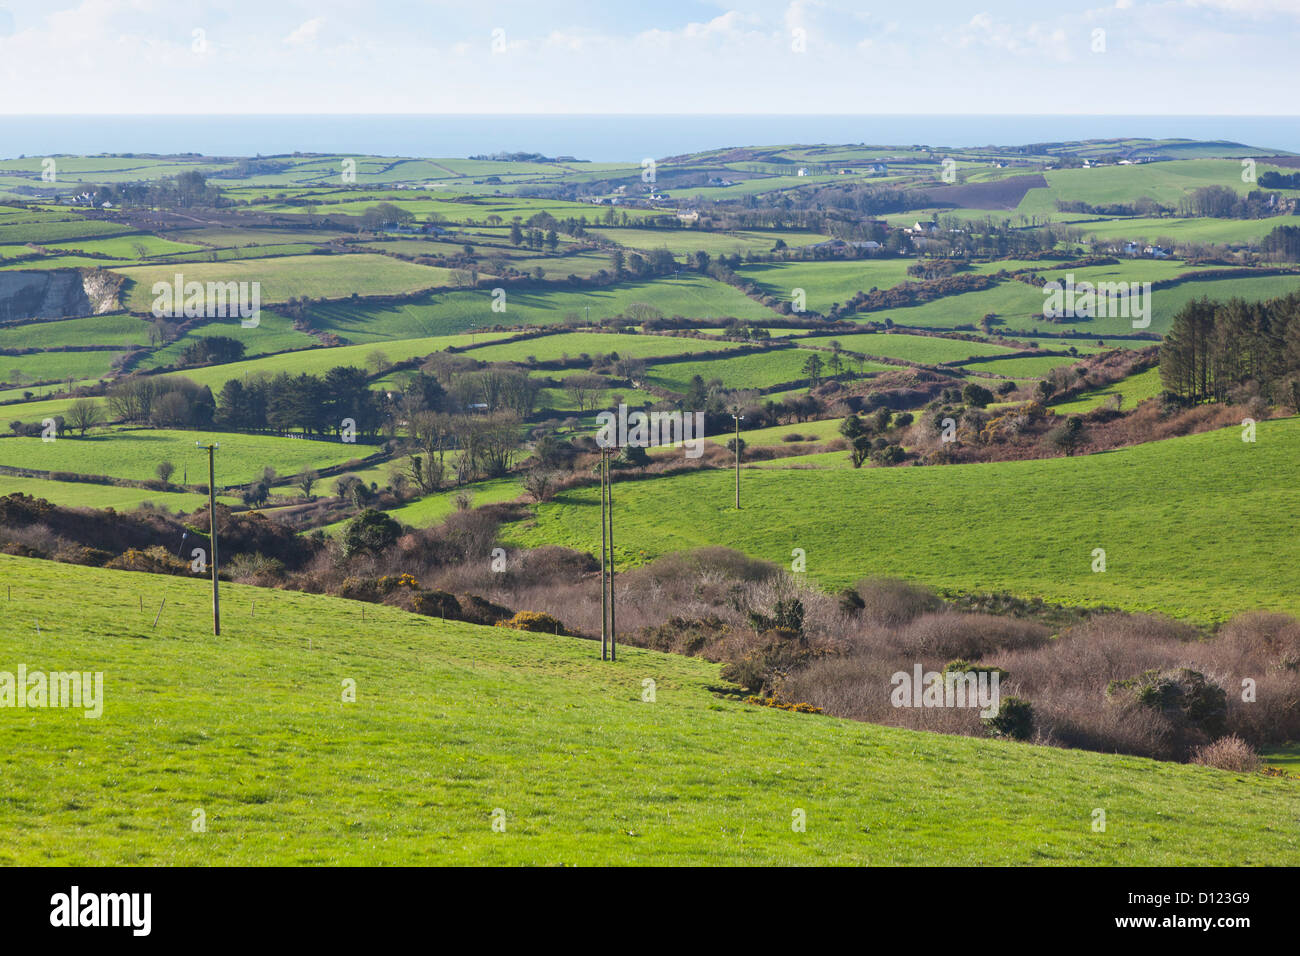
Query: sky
[(1215, 57)]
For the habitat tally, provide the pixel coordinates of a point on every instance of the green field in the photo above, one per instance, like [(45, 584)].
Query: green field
[(826, 282), (1218, 231), (924, 349), (432, 509), (444, 313), (1136, 388), (129, 247), (318, 361), (452, 722), (574, 344), (824, 430), (55, 366), (38, 408), (1020, 306), (1180, 535), (93, 330), (78, 494), (47, 233), (1032, 366), (682, 242), (274, 333), (135, 454), (1166, 182), (756, 370), (287, 277)]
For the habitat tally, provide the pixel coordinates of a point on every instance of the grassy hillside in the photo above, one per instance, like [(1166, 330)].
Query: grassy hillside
[(1181, 532), (1134, 389), (452, 722)]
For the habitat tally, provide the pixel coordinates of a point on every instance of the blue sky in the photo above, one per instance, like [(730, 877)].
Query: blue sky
[(671, 56)]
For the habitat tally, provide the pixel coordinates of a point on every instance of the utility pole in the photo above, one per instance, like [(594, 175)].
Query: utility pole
[(608, 639), (212, 533), (739, 418), (613, 631), (604, 551)]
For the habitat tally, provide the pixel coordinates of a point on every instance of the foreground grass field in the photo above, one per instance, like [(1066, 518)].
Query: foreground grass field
[(1200, 527), (452, 722)]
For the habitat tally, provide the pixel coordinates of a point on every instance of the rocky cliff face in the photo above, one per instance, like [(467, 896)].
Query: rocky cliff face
[(57, 293)]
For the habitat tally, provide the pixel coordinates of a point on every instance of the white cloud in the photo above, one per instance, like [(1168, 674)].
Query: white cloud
[(928, 57), (307, 33)]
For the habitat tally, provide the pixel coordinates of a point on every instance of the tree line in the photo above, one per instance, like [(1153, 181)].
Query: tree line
[(1215, 348)]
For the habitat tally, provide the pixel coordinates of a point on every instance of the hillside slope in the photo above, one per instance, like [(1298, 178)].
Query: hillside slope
[(453, 721), (1199, 527)]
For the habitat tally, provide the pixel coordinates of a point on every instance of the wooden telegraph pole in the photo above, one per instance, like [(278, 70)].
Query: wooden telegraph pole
[(212, 533), (604, 551), (613, 631), (739, 418), (608, 640)]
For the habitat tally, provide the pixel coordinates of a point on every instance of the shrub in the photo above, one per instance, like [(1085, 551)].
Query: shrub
[(391, 582), (90, 557), (155, 560), (1227, 753), (976, 396), (370, 532), (1184, 695), (435, 604), (889, 455), (892, 602), (1014, 719), (534, 621), (850, 601), (359, 589), (766, 666), (254, 565), (787, 615), (1068, 436), (800, 708), (477, 610), (966, 667), (793, 436)]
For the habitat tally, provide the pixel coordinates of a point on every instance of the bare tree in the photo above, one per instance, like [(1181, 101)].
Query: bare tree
[(584, 390), (84, 414)]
